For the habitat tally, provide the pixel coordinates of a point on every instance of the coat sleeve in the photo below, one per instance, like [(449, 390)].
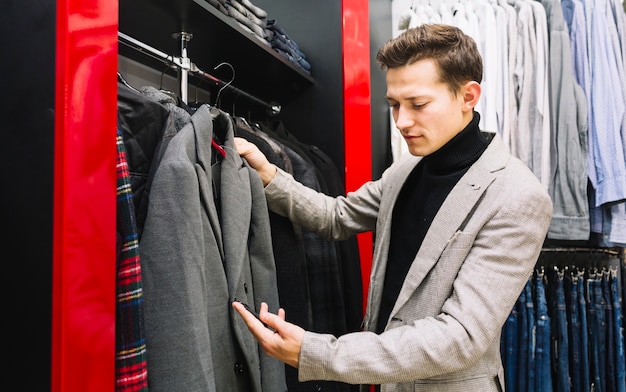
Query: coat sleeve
[(333, 218)]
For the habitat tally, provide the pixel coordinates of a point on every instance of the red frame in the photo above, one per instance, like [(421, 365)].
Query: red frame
[(357, 122), (83, 300), (84, 239)]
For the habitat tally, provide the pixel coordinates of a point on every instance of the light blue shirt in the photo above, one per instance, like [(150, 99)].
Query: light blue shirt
[(607, 166), (607, 163), (568, 131)]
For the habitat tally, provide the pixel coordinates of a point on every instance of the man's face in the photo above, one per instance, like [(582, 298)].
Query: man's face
[(424, 109)]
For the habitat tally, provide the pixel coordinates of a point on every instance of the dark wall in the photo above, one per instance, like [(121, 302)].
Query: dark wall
[(380, 32), (316, 115), (28, 68), (27, 84)]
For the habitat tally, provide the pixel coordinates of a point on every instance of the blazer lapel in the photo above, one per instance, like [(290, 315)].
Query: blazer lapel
[(203, 133), (451, 217), (236, 205)]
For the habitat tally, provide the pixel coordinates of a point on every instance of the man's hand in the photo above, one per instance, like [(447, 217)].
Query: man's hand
[(257, 160), (283, 341)]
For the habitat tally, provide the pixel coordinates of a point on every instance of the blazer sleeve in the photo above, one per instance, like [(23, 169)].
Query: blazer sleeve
[(334, 218)]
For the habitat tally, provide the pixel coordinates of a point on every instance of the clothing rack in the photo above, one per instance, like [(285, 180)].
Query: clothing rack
[(580, 257), (185, 66)]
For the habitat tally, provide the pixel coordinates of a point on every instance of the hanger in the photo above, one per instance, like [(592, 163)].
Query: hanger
[(220, 150), (215, 145), (120, 78), (217, 99), (197, 103), (161, 89)]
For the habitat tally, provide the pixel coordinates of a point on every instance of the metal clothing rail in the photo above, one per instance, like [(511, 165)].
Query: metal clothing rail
[(186, 66), (614, 252), (580, 257)]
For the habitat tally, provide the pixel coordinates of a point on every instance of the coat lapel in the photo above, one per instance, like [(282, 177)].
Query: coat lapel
[(203, 133), (451, 217), (235, 204)]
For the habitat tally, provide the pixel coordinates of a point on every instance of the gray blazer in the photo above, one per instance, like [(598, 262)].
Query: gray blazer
[(206, 242), (443, 333)]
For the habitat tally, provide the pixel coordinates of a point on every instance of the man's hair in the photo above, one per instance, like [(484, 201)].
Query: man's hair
[(454, 53)]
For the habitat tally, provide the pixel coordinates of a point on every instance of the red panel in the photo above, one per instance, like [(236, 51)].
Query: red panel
[(83, 325), (357, 134)]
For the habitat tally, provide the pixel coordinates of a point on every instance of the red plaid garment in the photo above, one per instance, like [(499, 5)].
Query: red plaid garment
[(131, 370)]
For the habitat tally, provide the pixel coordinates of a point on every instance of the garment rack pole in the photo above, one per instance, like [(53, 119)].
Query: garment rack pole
[(186, 66), (183, 72), (609, 251)]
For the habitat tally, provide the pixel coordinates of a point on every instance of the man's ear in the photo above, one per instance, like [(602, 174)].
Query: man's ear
[(471, 94)]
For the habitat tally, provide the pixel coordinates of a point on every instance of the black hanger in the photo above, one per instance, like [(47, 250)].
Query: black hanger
[(168, 92), (120, 78)]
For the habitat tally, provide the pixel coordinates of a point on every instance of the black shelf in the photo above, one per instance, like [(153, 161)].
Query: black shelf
[(217, 38)]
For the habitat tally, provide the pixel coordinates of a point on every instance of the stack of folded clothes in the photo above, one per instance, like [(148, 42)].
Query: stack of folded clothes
[(280, 41), (254, 19)]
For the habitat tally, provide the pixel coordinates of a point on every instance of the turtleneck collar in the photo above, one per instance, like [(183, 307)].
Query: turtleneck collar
[(460, 152)]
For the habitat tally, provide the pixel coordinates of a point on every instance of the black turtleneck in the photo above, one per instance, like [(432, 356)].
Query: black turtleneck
[(421, 196)]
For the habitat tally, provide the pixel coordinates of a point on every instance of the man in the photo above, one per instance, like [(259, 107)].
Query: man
[(459, 226)]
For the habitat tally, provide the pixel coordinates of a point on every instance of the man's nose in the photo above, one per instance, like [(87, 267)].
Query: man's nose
[(403, 119)]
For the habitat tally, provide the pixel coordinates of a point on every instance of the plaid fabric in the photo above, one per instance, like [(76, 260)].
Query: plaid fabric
[(131, 370)]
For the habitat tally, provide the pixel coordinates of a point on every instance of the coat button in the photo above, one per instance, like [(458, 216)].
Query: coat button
[(238, 368), (245, 287)]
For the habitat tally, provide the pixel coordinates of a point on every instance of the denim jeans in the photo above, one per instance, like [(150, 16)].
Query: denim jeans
[(561, 354), (620, 361), (596, 328), (584, 336), (574, 330), (284, 45), (543, 376), (522, 362), (532, 334), (509, 350), (610, 332)]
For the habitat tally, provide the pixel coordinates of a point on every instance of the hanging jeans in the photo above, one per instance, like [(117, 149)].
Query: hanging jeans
[(620, 361), (561, 352), (543, 377), (597, 333), (509, 350), (523, 370), (584, 335), (610, 332), (574, 330), (532, 337)]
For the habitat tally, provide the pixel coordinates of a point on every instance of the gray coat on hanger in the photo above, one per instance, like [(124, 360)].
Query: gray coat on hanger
[(206, 243)]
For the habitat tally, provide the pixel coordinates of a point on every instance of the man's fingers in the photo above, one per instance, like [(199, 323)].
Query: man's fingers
[(279, 338), (251, 321), (270, 319), (258, 326)]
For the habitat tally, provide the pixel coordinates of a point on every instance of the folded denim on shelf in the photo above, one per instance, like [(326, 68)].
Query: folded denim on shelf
[(301, 63), (247, 13), (242, 19), (218, 4), (285, 44), (278, 31), (259, 12)]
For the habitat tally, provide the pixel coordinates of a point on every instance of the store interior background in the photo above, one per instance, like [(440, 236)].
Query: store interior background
[(29, 30), (28, 40)]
